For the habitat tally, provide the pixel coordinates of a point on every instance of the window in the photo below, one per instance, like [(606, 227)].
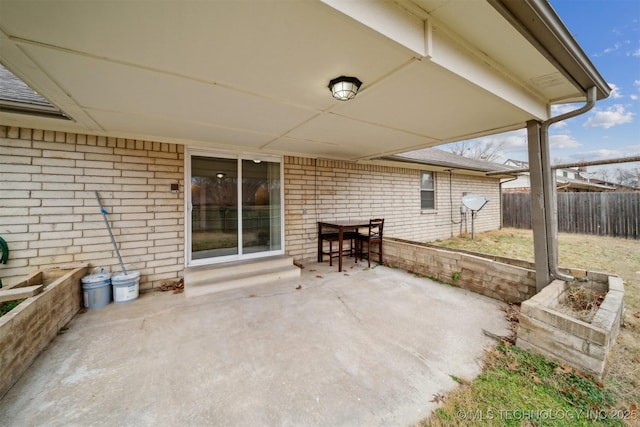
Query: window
[(427, 191)]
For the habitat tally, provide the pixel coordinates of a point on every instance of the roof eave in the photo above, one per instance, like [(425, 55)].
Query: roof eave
[(436, 166), (31, 108), (540, 24)]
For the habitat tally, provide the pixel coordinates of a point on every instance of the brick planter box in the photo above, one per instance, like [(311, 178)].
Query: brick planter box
[(585, 346), (542, 328), (26, 330), (505, 279)]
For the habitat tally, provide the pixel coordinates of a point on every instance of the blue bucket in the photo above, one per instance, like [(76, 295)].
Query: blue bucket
[(96, 289)]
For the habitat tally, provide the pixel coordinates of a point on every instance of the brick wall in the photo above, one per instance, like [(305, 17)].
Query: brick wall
[(27, 329), (495, 277), (49, 214), (325, 189), (546, 330)]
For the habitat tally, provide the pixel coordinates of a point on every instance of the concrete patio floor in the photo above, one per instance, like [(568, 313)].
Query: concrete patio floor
[(370, 347)]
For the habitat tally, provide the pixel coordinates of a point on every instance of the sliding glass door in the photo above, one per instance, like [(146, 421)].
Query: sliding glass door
[(261, 206), (214, 207), (235, 208)]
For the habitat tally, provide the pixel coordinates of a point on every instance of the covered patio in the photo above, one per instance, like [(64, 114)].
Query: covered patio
[(250, 81), (141, 90), (366, 347)]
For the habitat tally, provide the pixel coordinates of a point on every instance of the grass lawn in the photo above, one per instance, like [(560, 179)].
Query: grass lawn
[(518, 388)]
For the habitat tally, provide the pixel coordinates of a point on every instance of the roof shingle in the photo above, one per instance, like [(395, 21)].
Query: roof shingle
[(14, 89), (436, 157)]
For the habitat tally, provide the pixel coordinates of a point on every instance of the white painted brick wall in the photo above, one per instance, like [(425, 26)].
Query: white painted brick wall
[(49, 214)]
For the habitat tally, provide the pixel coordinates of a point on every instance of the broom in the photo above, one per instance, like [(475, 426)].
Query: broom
[(106, 222)]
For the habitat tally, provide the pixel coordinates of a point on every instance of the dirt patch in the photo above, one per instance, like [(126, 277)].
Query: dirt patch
[(7, 306), (177, 286), (580, 303)]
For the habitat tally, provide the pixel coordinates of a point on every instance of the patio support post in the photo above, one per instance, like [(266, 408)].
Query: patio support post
[(538, 162)]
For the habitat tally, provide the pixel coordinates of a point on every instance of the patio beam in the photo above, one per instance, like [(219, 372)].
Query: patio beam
[(544, 212), (538, 161)]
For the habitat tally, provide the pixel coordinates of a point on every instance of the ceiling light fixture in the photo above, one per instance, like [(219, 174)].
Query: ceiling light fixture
[(220, 175), (344, 88)]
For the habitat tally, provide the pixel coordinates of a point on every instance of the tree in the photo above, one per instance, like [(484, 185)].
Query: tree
[(488, 151), (626, 176), (602, 174)]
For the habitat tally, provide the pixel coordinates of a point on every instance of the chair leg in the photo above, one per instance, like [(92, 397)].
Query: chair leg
[(371, 251), (330, 253), (355, 251)]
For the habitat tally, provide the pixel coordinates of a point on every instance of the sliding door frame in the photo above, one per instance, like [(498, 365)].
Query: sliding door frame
[(188, 205)]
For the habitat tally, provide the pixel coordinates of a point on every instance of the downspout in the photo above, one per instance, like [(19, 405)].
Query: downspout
[(500, 188), (551, 215), (451, 200)]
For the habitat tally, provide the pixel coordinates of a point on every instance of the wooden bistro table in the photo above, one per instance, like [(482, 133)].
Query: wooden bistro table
[(342, 226)]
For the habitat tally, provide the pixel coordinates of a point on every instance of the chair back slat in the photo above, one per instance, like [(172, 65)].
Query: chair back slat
[(372, 239), (375, 228)]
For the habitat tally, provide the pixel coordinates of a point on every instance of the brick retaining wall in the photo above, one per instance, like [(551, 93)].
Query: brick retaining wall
[(27, 329), (510, 283), (546, 330)]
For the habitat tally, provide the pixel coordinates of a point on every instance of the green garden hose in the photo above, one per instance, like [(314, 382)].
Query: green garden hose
[(5, 253)]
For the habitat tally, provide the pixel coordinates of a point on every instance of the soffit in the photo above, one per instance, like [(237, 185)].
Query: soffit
[(498, 42), (253, 75)]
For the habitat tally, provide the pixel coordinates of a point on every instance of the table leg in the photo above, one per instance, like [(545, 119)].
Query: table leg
[(319, 242), (340, 236)]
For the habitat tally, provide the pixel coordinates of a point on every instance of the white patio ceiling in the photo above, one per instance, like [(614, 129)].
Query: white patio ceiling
[(252, 75)]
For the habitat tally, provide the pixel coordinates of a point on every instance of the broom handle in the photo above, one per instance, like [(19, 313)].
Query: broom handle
[(104, 216)]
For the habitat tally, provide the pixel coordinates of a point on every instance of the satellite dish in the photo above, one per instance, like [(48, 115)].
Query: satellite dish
[(474, 202)]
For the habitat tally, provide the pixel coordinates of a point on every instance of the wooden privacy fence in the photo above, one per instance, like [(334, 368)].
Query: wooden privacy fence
[(604, 214)]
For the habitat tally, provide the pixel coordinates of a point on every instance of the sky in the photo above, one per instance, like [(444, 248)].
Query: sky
[(609, 33)]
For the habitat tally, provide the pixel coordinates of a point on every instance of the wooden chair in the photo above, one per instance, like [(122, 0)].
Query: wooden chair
[(333, 238), (372, 238)]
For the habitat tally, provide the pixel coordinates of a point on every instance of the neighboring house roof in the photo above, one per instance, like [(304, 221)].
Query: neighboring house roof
[(613, 185), (561, 181), (516, 163), (571, 183), (253, 75)]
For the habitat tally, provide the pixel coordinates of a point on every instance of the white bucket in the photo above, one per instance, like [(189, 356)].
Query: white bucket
[(125, 287), (96, 289)]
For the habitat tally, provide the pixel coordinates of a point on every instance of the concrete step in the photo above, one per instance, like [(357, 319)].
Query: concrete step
[(206, 279), (224, 271)]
